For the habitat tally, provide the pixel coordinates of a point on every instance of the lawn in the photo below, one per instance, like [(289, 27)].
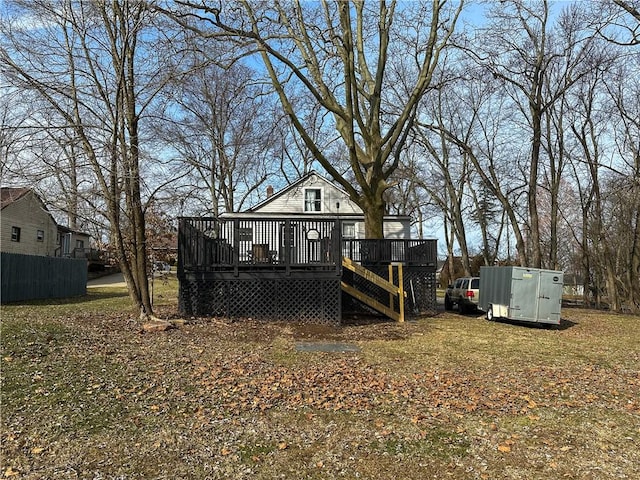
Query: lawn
[(86, 394)]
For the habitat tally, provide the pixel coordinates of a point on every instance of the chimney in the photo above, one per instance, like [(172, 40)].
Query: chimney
[(269, 191)]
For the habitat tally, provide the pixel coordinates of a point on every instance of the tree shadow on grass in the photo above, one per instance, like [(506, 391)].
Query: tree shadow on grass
[(91, 296)]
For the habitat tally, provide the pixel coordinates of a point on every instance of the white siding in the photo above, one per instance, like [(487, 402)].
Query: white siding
[(291, 200), (396, 229), (28, 214)]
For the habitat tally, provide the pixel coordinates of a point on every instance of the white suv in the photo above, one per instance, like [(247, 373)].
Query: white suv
[(465, 293)]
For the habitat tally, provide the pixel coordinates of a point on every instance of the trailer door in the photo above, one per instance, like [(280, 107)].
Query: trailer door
[(550, 297), (524, 294)]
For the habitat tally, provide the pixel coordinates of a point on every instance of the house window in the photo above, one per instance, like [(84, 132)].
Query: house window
[(349, 230), (80, 244), (15, 234), (313, 200), (40, 235), (245, 234)]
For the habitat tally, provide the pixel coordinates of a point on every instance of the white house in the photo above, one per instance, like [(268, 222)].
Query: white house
[(314, 197)]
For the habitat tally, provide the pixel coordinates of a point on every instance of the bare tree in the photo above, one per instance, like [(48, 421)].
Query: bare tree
[(618, 21), (340, 53), (13, 134), (537, 61), (446, 172), (221, 126), (98, 66), (624, 184)]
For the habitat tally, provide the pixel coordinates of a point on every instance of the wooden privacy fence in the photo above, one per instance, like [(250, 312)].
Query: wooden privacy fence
[(30, 277)]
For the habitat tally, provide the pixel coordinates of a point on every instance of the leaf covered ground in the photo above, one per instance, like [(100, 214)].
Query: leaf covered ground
[(86, 395)]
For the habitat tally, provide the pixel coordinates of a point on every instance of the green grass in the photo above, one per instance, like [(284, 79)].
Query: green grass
[(85, 394)]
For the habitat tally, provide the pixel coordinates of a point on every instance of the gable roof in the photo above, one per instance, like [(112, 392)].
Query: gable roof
[(292, 186), (8, 195)]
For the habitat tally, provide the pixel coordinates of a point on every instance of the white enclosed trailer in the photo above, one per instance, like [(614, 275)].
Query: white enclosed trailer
[(520, 293)]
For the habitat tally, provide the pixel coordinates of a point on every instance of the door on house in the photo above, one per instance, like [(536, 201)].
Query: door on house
[(289, 238), (65, 245)]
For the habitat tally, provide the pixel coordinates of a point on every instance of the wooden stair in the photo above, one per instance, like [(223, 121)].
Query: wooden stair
[(388, 285)]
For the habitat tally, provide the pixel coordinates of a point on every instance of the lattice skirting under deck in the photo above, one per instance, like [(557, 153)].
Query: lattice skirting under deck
[(312, 300)]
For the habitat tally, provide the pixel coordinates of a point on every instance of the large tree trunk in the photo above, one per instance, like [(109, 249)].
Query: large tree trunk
[(374, 211), (532, 194)]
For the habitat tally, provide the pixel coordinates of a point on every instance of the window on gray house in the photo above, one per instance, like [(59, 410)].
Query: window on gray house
[(348, 230), (313, 200), (40, 235), (15, 234), (245, 234)]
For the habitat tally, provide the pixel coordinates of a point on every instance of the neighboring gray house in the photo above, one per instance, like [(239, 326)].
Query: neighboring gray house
[(28, 228), (314, 197), (31, 243)]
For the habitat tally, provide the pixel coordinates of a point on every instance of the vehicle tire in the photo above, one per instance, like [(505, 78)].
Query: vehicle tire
[(462, 307), (448, 305), (490, 313)]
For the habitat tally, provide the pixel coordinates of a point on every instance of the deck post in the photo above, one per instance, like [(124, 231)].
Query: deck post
[(236, 245), (337, 247), (391, 295), (287, 247), (401, 292)]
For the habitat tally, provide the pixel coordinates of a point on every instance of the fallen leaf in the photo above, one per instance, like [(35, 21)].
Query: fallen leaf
[(225, 451), (10, 472), (504, 448), (37, 450), (282, 446)]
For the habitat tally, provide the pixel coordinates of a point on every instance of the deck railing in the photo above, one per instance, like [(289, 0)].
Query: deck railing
[(208, 244), (385, 251), (257, 244)]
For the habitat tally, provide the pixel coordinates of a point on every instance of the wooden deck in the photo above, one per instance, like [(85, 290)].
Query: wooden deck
[(291, 268)]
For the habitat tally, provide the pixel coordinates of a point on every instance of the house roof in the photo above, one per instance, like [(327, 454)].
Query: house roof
[(348, 216), (8, 195), (292, 186)]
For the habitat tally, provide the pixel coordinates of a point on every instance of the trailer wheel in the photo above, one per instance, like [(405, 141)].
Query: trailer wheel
[(490, 313)]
